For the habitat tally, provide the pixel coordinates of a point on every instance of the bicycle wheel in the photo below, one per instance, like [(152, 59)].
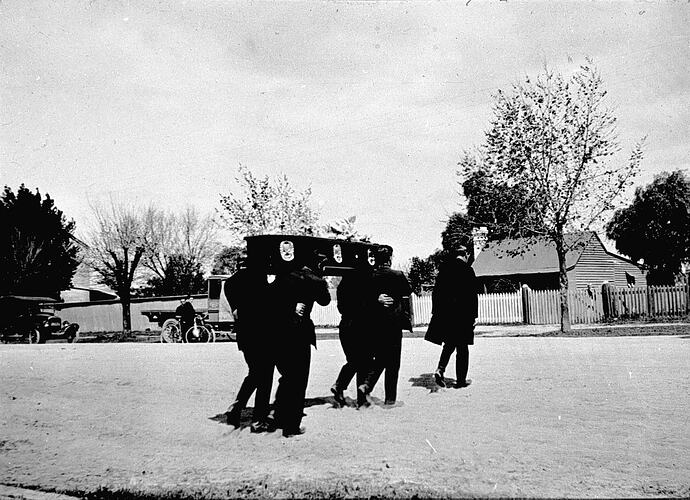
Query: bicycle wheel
[(199, 334), (170, 331)]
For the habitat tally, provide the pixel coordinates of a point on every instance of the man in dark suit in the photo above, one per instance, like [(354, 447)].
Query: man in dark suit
[(293, 294), (247, 294), (453, 314), (185, 313), (388, 299), (351, 331)]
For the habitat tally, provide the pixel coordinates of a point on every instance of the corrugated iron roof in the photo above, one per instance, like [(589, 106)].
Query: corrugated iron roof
[(529, 255)]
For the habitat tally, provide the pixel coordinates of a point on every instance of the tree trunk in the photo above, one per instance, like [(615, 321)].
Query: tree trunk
[(125, 299), (563, 283)]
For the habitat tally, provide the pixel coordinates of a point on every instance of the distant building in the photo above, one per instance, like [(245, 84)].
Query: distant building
[(508, 264), (85, 287)]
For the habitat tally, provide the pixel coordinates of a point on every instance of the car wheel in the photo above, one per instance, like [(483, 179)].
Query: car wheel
[(34, 336), (170, 331)]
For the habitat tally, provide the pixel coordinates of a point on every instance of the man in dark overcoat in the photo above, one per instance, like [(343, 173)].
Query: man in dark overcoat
[(388, 296), (293, 295), (247, 294), (453, 314)]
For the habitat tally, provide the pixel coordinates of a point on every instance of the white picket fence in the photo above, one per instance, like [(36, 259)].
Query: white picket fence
[(544, 306), (534, 306), (653, 301)]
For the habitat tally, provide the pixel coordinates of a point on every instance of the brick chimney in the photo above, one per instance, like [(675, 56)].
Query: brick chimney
[(479, 237)]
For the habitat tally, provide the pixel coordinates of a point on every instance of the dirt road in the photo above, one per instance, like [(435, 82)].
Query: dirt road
[(556, 417)]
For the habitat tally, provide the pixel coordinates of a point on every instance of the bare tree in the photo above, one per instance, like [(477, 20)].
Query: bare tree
[(188, 236), (555, 139), (116, 246)]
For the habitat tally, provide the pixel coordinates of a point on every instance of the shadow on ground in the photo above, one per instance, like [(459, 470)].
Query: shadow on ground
[(246, 417), (427, 381)]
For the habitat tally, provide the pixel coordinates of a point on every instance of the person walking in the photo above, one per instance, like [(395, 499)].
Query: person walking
[(351, 331), (294, 293), (388, 296), (453, 315), (247, 293)]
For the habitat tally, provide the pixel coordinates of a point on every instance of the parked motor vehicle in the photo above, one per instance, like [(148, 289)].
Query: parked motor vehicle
[(33, 320)]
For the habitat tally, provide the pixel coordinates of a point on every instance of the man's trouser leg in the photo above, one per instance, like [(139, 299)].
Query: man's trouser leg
[(376, 368), (393, 368), (293, 366), (293, 386), (446, 352), (347, 372), (264, 384), (249, 382), (462, 363)]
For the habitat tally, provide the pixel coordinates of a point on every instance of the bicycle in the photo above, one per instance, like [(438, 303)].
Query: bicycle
[(199, 332)]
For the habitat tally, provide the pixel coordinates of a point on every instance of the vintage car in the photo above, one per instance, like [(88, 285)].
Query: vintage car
[(33, 320)]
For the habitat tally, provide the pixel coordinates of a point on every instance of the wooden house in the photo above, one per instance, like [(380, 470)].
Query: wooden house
[(508, 264)]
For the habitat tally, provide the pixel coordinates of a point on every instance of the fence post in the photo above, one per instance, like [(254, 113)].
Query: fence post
[(650, 302), (525, 304), (606, 300)]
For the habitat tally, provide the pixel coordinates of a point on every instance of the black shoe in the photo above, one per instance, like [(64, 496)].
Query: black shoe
[(460, 385), (438, 377), (338, 396), (293, 432)]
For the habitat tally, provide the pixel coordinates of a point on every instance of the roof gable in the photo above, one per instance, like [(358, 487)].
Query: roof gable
[(530, 255)]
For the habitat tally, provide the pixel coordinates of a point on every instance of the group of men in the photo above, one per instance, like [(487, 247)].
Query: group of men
[(275, 331), (374, 309)]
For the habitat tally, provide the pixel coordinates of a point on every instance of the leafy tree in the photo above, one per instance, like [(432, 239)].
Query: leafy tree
[(117, 244), (38, 251), (182, 275), (268, 206), (507, 210), (553, 139), (225, 262), (345, 229), (458, 231), (422, 274), (656, 226)]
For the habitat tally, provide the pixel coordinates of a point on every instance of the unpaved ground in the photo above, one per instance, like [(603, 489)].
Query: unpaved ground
[(556, 417)]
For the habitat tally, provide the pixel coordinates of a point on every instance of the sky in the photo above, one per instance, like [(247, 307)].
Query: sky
[(369, 103)]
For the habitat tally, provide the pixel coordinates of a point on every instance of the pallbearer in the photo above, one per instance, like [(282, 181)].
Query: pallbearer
[(293, 293), (352, 331), (248, 295), (388, 296)]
